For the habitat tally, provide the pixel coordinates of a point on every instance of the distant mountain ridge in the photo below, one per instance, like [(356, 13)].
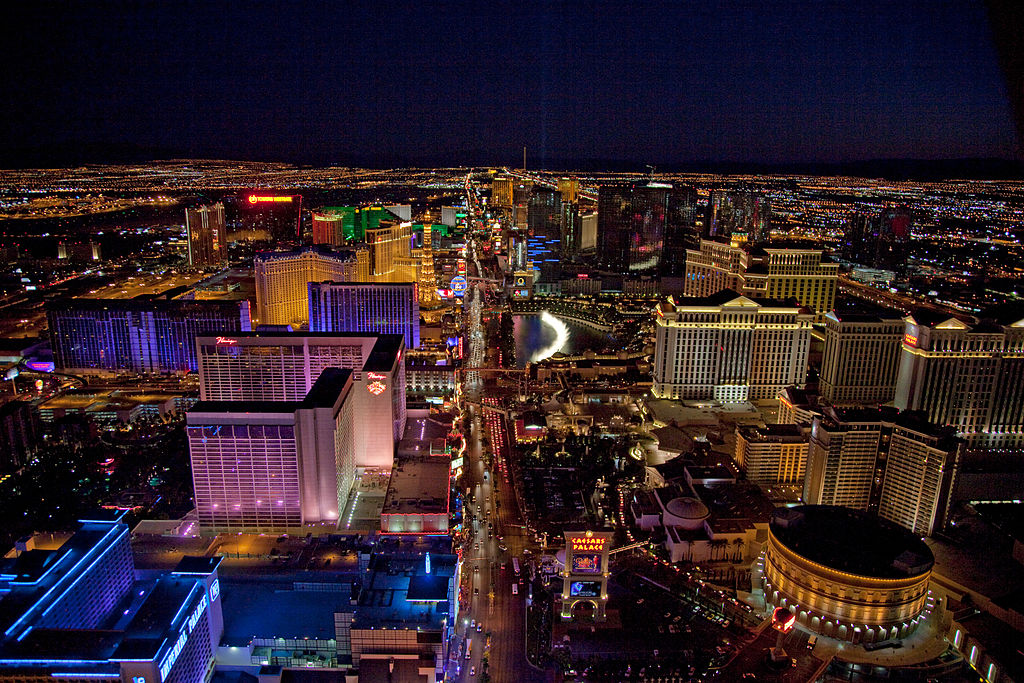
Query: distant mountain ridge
[(77, 154)]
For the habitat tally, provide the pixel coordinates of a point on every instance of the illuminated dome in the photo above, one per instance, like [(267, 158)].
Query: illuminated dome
[(686, 512)]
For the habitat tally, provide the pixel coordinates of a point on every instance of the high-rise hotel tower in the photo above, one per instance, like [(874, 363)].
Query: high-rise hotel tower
[(967, 373), (729, 348), (391, 308), (207, 236)]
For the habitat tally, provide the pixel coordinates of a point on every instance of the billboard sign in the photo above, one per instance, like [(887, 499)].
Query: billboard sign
[(586, 563)]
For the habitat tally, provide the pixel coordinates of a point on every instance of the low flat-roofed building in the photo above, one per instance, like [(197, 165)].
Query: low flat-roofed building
[(416, 501), (407, 607), (707, 516)]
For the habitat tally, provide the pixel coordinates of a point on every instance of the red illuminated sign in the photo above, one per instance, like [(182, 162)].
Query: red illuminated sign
[(376, 375), (783, 619), (376, 388), (587, 545), (267, 199), (224, 341), (909, 340)]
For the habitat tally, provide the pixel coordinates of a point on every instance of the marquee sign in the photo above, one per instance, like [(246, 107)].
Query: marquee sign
[(268, 199), (225, 341), (587, 545)]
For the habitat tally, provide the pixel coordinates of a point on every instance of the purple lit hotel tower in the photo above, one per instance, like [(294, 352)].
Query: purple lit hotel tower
[(286, 421)]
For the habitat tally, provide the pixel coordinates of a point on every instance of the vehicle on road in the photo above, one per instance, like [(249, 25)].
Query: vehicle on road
[(515, 589), (472, 671), (469, 649)]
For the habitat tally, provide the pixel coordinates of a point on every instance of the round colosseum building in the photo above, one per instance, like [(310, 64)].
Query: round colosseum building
[(846, 574)]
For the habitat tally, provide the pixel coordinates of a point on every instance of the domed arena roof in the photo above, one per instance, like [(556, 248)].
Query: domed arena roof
[(686, 512), (851, 541)]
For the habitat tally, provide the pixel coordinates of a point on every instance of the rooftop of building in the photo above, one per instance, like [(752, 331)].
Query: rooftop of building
[(849, 310), (800, 397), (366, 285), (137, 304), (397, 591), (419, 485), (385, 353), (915, 421), (423, 432), (763, 248), (275, 336), (1010, 313), (851, 541), (930, 318), (261, 607), (772, 433), (319, 249), (724, 297), (325, 392)]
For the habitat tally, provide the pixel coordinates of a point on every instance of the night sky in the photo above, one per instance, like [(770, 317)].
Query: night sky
[(452, 82)]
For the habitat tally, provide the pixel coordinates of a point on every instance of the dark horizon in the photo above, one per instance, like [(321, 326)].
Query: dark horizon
[(990, 168), (402, 83)]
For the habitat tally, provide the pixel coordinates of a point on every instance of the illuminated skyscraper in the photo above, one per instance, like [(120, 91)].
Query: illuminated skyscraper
[(391, 308), (275, 466), (729, 348), (271, 215), (387, 243), (571, 225), (89, 335), (773, 271), (738, 212), (207, 236), (568, 188), (862, 356), (281, 366), (773, 454), (967, 373), (501, 192), (79, 612), (329, 228), (544, 217), (283, 277), (646, 228), (896, 464)]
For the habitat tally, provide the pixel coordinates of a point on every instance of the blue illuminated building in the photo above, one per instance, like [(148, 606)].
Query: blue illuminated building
[(80, 611), (146, 336), (544, 242), (381, 308)]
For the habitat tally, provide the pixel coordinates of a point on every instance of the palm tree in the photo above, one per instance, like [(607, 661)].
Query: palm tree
[(737, 545)]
